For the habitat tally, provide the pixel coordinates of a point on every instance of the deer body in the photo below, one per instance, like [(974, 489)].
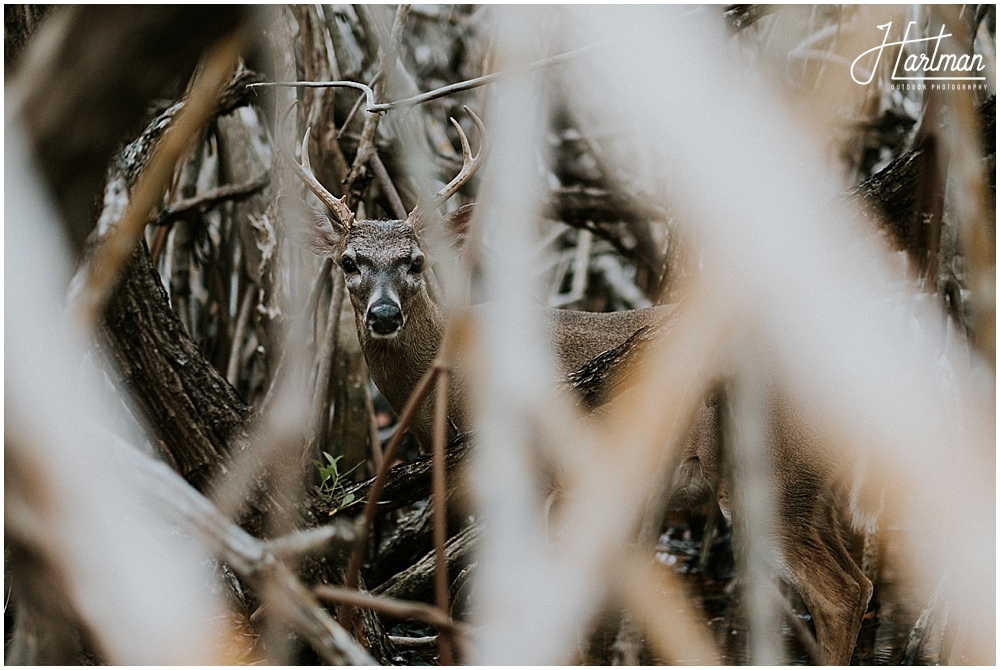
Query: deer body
[(397, 364), (400, 329), (815, 518)]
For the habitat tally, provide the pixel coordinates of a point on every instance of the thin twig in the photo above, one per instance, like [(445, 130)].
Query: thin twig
[(366, 146), (311, 540), (414, 642), (458, 87), (334, 353), (357, 557), (211, 199), (355, 108), (388, 188), (324, 361), (478, 81), (232, 369), (802, 633), (441, 507), (394, 607)]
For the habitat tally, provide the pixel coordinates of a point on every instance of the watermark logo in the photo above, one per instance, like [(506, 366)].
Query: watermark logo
[(921, 67)]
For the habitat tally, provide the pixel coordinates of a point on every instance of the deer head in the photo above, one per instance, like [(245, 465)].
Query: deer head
[(383, 260)]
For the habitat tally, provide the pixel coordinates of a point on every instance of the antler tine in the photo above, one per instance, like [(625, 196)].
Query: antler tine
[(470, 163), (340, 210)]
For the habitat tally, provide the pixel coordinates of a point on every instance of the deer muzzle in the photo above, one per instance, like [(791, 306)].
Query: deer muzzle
[(384, 319)]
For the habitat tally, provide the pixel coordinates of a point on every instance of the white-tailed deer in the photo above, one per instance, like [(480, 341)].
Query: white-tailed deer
[(400, 329)]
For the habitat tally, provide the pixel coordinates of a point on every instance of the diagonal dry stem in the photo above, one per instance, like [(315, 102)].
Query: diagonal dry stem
[(441, 506), (371, 505), (111, 256)]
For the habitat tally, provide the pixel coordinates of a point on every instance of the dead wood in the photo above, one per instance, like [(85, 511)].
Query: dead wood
[(197, 417), (417, 581), (407, 543), (84, 93), (892, 192), (257, 561), (611, 215), (406, 483)]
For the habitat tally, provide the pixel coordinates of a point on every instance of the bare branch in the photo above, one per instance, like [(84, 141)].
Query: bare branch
[(388, 188), (458, 87), (371, 505), (366, 146), (400, 609), (253, 560), (211, 199)]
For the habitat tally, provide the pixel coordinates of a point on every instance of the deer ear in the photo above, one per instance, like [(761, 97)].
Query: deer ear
[(458, 223), (310, 227)]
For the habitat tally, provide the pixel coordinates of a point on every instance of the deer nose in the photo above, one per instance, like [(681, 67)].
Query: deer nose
[(384, 318)]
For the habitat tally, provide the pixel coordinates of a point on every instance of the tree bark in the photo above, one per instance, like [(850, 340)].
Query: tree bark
[(91, 87), (417, 581), (195, 415)]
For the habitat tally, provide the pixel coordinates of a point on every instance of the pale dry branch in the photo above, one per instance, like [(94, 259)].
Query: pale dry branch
[(366, 145), (259, 562), (825, 254), (375, 108), (440, 501), (114, 562), (324, 360), (737, 288), (425, 642)]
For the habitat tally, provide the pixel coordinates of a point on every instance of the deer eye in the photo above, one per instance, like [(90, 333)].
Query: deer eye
[(417, 265), (348, 264)]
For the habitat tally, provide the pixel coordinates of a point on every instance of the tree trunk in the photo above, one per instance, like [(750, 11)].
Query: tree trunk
[(195, 415)]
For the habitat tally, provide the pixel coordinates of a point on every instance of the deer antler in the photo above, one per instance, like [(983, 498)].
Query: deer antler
[(341, 212), (470, 163)]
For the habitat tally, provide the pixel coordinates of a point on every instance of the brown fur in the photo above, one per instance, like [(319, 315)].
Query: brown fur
[(814, 519), (590, 348)]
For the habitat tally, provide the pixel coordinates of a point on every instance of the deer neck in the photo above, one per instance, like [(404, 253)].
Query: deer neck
[(397, 365)]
